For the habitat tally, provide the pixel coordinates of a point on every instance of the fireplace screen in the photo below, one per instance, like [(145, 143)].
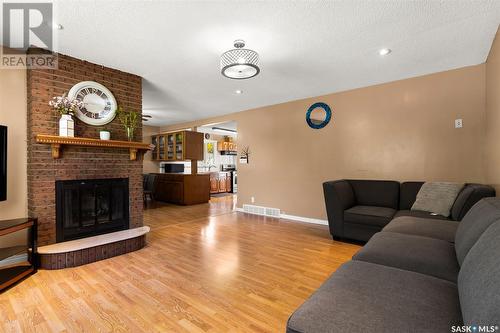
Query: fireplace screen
[(91, 207)]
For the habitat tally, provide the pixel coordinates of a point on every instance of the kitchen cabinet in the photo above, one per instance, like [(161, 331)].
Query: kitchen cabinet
[(214, 183), (220, 182), (227, 146), (178, 146), (229, 183)]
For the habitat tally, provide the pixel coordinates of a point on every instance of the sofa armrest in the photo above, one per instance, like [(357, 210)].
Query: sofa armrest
[(339, 196), (468, 197)]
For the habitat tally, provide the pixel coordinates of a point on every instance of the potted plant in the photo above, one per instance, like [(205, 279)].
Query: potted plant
[(66, 108), (129, 120)]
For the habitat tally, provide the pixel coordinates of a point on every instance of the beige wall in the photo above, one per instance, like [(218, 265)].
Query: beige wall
[(492, 155), (402, 130), (149, 165), (13, 114)]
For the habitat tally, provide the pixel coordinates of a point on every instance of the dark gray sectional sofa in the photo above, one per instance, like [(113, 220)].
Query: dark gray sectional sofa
[(357, 209), (416, 275)]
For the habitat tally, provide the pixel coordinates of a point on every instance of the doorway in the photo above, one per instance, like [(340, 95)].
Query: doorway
[(220, 158)]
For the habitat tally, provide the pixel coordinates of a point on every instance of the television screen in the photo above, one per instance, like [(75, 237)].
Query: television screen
[(3, 163)]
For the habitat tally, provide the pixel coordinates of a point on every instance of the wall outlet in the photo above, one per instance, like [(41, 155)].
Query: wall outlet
[(458, 123), (252, 199)]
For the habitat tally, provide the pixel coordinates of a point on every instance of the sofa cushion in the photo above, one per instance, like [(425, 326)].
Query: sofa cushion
[(432, 228), (474, 223), (419, 213), (479, 280), (360, 232), (412, 253), (366, 297), (381, 193), (408, 193), (468, 197), (437, 197), (378, 216)]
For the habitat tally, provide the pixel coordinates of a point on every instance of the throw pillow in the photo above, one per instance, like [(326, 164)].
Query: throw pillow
[(437, 197)]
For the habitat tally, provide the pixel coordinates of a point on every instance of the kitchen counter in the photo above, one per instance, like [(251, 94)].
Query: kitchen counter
[(182, 188)]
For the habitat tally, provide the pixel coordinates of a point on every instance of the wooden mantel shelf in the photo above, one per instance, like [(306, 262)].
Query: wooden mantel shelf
[(57, 142)]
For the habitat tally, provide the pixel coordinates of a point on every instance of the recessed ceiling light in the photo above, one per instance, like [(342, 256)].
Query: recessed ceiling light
[(239, 92), (384, 51)]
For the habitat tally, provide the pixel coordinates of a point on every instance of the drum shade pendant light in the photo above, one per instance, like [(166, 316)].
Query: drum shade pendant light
[(239, 63)]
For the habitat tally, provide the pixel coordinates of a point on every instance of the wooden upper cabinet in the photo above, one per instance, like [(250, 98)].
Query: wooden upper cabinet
[(170, 148), (220, 146), (193, 145), (226, 146), (178, 146)]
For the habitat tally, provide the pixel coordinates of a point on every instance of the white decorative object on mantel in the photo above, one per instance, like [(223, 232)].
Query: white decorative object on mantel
[(66, 126), (105, 135)]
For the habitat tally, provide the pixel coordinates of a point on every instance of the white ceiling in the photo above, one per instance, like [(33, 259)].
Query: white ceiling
[(307, 48)]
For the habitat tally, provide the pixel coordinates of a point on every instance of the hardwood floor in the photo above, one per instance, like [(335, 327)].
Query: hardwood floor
[(158, 214), (205, 269)]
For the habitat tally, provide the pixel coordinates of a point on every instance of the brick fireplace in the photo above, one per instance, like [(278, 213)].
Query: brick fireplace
[(86, 208), (78, 163)]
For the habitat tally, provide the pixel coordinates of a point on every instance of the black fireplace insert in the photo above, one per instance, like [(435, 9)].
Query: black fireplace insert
[(91, 207)]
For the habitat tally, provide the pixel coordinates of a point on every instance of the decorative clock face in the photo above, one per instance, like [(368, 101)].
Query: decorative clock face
[(99, 104)]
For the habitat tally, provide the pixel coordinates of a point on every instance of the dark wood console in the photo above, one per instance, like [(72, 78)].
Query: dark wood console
[(18, 250)]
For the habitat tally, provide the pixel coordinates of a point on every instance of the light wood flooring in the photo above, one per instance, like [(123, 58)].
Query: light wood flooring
[(205, 269)]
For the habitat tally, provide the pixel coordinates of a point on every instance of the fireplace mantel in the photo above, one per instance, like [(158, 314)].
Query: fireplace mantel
[(57, 143)]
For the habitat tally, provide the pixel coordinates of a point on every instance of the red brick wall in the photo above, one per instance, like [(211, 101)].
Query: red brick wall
[(78, 163)]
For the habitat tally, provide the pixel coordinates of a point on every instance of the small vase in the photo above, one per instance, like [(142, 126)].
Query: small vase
[(66, 126), (130, 133)]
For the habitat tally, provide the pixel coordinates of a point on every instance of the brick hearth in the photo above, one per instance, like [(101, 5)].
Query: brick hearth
[(77, 163)]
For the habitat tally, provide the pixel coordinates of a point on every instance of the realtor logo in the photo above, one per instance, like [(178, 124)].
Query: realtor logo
[(27, 26)]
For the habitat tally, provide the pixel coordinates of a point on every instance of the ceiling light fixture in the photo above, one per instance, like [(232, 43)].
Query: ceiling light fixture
[(239, 92), (223, 130), (239, 63), (384, 51)]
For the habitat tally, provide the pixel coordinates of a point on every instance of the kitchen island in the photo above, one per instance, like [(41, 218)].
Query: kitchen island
[(182, 188)]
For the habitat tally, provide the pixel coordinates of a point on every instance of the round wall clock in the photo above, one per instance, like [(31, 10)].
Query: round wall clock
[(318, 115), (99, 104)]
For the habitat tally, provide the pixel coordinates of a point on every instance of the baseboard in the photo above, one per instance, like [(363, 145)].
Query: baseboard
[(303, 219), (295, 218)]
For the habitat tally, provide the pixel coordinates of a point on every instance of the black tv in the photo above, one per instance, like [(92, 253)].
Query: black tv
[(3, 163)]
